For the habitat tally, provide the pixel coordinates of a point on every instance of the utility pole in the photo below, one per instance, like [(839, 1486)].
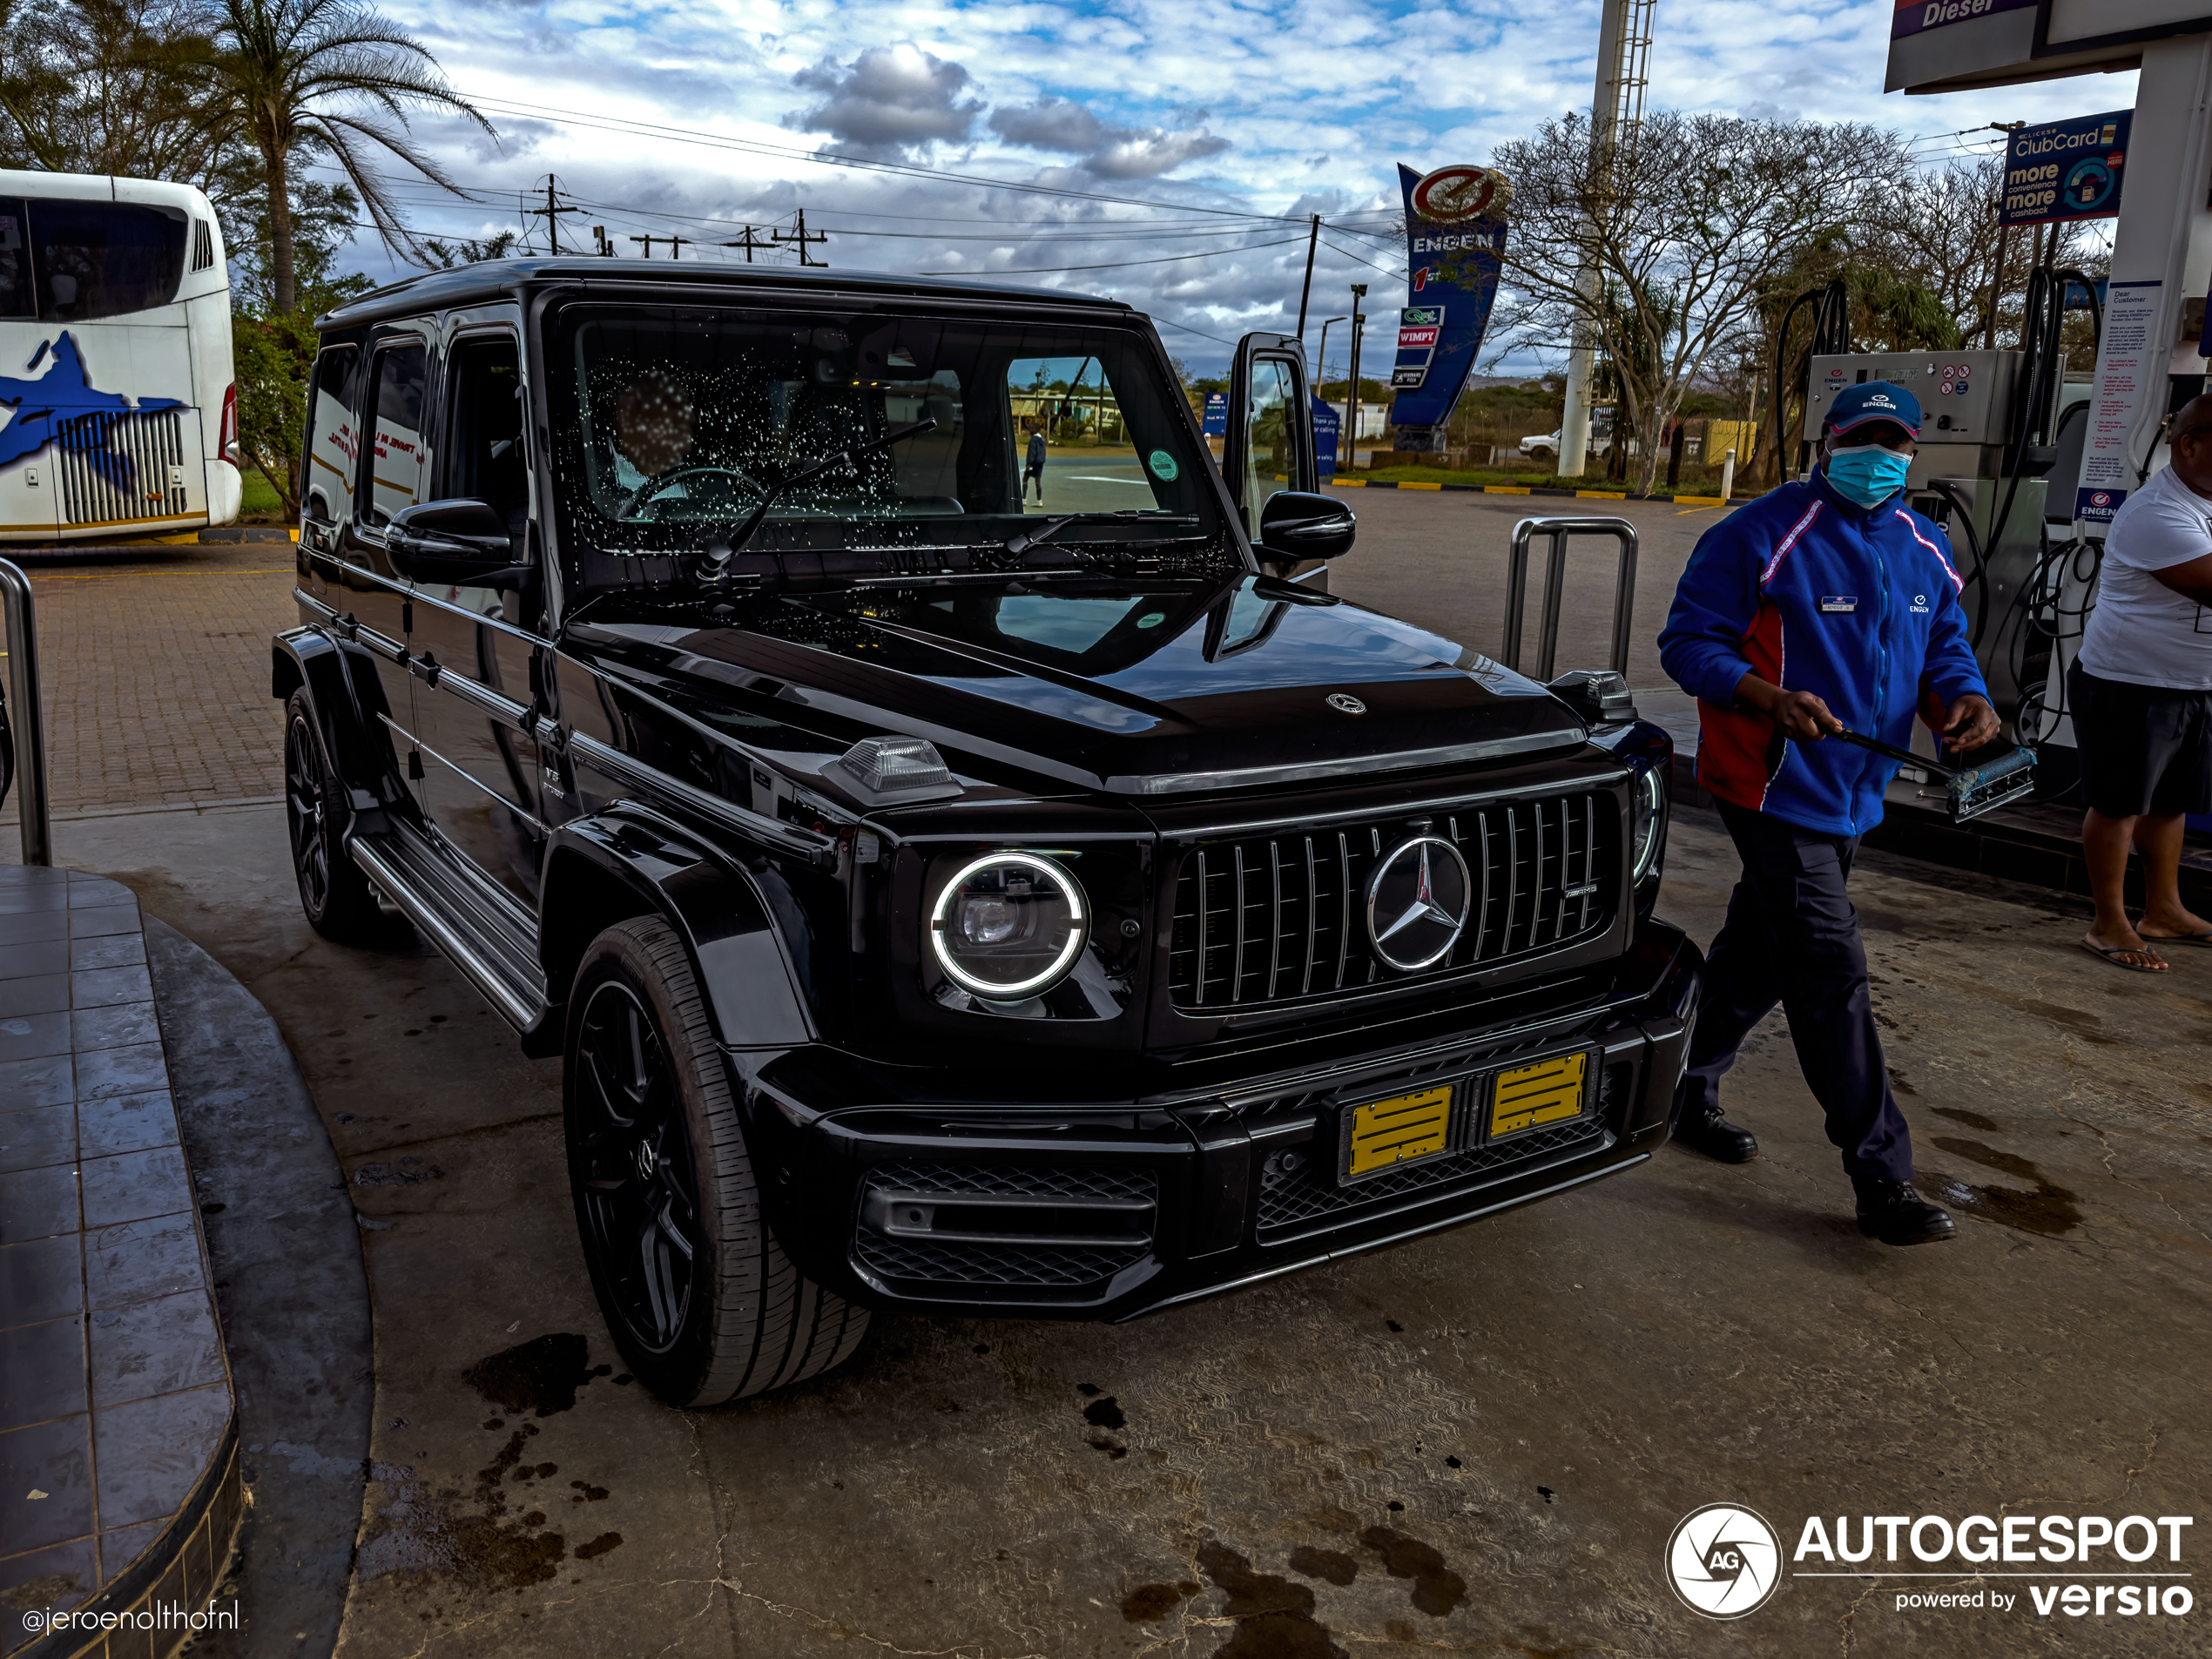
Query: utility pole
[(675, 245), (599, 236), (1349, 441), (1623, 54), (552, 211), (749, 241), (647, 241), (802, 238), (1312, 240)]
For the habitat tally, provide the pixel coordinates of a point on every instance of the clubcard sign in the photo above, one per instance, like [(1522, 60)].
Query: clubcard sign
[(1456, 228), (2066, 169)]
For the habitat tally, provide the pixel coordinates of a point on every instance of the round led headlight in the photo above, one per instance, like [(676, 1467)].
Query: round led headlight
[(1010, 925), (1648, 829)]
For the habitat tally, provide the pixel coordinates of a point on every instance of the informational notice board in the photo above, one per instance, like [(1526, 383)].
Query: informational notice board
[(2130, 365)]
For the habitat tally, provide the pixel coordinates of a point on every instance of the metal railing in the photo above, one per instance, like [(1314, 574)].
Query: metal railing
[(1624, 590), (24, 716)]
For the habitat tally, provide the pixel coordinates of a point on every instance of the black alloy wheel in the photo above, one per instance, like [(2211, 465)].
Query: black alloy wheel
[(333, 892), (702, 1302), (634, 1176)]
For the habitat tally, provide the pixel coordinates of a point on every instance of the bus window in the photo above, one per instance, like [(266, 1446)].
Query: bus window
[(397, 460), (333, 441), (15, 298), (104, 259), (485, 457)]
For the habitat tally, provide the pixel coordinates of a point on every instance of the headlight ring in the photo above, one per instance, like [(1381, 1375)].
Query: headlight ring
[(1648, 821), (1010, 925)]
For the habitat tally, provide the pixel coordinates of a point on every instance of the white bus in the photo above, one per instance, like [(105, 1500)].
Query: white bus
[(115, 354)]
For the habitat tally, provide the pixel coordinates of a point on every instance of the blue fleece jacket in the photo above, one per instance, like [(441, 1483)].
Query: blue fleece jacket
[(1815, 593)]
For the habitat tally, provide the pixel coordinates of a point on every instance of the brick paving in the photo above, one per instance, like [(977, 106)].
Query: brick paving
[(155, 680)]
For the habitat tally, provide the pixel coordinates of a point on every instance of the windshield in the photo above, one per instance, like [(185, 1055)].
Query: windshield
[(679, 423)]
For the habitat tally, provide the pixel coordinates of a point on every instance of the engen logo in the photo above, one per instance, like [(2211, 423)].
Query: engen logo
[(1723, 1561)]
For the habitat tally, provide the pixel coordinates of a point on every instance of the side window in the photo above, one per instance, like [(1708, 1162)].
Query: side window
[(398, 463), (17, 299), (333, 442), (1271, 453), (99, 259), (485, 457)]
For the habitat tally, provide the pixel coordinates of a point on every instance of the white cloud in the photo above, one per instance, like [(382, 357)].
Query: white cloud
[(890, 101)]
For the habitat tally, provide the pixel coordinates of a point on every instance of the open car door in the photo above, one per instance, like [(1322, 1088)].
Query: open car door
[(1268, 452)]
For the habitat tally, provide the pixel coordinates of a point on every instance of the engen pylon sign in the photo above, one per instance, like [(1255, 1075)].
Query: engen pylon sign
[(1455, 229)]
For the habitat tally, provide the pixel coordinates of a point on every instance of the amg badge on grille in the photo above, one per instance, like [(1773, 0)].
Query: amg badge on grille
[(1417, 902), (1345, 703)]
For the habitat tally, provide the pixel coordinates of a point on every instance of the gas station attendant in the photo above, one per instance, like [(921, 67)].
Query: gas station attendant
[(1823, 606)]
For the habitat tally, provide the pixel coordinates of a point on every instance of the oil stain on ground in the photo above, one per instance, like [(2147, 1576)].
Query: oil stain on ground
[(1274, 1616), (2048, 1210), (541, 1375), (1437, 1589)]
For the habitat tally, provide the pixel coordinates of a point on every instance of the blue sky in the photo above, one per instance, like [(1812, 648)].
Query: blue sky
[(1190, 112)]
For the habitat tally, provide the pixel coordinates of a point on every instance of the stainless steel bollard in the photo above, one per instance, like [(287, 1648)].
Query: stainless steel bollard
[(1624, 587), (25, 716)]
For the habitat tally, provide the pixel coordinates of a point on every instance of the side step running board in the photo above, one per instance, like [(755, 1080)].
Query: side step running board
[(488, 936)]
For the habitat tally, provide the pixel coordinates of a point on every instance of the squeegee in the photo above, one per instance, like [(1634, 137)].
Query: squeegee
[(1969, 791)]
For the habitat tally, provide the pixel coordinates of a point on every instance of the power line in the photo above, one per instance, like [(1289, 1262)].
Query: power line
[(825, 157), (1117, 264)]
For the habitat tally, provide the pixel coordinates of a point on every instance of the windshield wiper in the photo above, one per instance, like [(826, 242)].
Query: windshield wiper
[(1016, 545), (718, 555)]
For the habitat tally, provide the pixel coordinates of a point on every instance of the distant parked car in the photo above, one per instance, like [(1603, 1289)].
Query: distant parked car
[(1547, 443)]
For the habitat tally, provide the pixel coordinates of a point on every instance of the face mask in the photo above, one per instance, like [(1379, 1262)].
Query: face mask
[(1868, 474)]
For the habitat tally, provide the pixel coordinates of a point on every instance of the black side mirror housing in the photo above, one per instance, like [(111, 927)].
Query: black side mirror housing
[(1599, 695), (1297, 525), (459, 541)]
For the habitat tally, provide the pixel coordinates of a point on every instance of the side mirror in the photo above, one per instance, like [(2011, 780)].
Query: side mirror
[(1296, 526), (461, 541)]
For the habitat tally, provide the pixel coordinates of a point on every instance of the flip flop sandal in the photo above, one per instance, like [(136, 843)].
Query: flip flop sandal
[(2116, 952)]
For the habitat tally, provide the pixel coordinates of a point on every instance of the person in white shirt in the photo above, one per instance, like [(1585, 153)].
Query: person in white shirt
[(2141, 695)]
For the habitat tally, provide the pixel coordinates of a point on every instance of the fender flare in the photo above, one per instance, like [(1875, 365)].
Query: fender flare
[(347, 695), (737, 948)]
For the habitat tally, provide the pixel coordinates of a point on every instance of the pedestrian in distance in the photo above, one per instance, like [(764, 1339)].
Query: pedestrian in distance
[(1824, 606), (1034, 466), (2141, 696)]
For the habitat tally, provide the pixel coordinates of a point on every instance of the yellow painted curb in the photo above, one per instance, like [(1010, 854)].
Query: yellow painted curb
[(1602, 494), (1349, 483), (1701, 500), (1505, 490), (1409, 484)]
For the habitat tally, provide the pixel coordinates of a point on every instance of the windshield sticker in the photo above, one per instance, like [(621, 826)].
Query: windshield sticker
[(1151, 618), (1162, 465)]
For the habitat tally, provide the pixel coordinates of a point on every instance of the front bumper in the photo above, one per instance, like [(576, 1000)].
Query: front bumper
[(1106, 1211)]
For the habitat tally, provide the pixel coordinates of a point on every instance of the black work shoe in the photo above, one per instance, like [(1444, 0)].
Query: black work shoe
[(1893, 1212), (1707, 1131)]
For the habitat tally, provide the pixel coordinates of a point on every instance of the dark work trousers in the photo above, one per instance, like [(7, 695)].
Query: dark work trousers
[(1791, 938)]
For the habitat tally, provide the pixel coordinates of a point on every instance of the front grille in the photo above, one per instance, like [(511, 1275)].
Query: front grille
[(1272, 918), (114, 467), (1299, 1196), (1115, 1212)]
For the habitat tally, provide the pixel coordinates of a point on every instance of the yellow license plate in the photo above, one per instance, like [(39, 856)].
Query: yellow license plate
[(1546, 1092), (1391, 1131)]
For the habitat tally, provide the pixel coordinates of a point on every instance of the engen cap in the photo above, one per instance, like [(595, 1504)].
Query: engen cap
[(1875, 401)]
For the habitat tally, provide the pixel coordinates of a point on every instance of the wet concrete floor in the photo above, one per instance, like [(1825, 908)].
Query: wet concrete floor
[(1479, 1442)]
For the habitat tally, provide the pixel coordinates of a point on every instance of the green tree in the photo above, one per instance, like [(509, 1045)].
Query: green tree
[(294, 77), (271, 358), (104, 86)]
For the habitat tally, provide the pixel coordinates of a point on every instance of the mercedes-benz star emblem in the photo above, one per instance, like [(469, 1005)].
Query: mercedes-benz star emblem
[(1345, 703), (1417, 902)]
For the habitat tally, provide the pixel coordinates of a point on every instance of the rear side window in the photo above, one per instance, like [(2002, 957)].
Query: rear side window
[(76, 261), (333, 441), (17, 299), (398, 461)]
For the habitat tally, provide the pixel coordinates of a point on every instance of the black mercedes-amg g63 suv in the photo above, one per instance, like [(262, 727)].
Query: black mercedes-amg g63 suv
[(941, 897)]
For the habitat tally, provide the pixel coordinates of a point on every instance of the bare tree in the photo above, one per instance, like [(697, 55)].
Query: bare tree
[(1683, 233)]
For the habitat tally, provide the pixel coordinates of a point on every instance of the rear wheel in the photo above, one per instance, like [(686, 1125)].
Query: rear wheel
[(333, 890), (701, 1301)]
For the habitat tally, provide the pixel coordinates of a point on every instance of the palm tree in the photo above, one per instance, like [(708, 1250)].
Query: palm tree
[(294, 77)]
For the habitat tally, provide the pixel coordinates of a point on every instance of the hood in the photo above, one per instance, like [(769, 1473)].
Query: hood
[(1140, 693)]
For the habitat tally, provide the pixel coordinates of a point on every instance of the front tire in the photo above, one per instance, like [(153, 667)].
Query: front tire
[(333, 891), (700, 1300)]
